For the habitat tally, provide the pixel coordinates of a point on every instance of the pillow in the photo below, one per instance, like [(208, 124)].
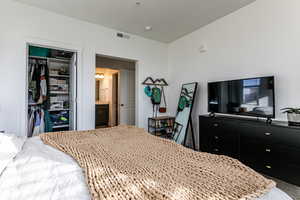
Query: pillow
[(10, 146)]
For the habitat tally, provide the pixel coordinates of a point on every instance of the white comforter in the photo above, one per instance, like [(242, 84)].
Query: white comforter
[(43, 173)]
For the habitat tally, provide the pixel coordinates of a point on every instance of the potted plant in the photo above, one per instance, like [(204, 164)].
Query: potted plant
[(293, 115)]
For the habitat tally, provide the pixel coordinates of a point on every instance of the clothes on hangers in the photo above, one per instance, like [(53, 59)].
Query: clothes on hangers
[(31, 116), (38, 71), (37, 122), (43, 83)]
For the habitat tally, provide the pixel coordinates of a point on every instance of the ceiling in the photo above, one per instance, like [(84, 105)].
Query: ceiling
[(106, 71), (169, 19)]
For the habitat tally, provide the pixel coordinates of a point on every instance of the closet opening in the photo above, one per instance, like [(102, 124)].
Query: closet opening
[(51, 89), (115, 91)]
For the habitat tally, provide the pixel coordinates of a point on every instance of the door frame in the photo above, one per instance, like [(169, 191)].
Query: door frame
[(136, 82), (58, 46)]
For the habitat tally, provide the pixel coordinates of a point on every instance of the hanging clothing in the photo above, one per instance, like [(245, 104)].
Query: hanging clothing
[(43, 83), (42, 124), (31, 122), (38, 72), (37, 124), (48, 122)]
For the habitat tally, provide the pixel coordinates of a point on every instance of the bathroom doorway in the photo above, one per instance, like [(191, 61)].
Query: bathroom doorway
[(115, 92)]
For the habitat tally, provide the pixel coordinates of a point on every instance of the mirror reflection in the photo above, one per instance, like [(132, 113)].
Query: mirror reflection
[(184, 108)]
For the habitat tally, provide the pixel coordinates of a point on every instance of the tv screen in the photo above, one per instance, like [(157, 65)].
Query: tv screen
[(248, 97)]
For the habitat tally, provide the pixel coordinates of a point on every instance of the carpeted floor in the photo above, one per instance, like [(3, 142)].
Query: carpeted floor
[(292, 190)]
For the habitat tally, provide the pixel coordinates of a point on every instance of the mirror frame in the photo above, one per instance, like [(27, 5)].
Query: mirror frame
[(189, 115)]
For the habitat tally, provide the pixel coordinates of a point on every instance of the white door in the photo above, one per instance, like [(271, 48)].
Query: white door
[(127, 97), (73, 92)]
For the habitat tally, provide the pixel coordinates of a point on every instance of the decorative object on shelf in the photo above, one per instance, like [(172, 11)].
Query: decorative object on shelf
[(156, 93), (183, 116), (293, 115), (161, 126)]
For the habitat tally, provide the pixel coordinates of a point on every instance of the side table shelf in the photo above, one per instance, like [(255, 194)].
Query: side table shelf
[(161, 126)]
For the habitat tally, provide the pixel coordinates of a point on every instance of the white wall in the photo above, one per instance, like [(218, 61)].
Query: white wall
[(20, 23), (258, 40)]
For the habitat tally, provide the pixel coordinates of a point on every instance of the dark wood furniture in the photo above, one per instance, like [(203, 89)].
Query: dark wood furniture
[(161, 126), (273, 149), (102, 115)]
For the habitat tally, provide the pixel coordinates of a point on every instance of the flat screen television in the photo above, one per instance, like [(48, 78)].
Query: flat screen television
[(247, 97)]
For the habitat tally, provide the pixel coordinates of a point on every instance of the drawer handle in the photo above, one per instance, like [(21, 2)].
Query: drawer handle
[(216, 150), (268, 150), (268, 166), (216, 125), (268, 134), (216, 137)]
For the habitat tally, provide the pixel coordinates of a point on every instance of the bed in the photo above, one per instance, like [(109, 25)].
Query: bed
[(42, 172)]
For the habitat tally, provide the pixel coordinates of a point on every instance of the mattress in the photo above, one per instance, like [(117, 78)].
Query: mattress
[(42, 172)]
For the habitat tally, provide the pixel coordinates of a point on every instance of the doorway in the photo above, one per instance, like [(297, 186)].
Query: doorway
[(51, 89), (115, 91)]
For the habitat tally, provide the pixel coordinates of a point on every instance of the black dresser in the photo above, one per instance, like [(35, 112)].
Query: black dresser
[(273, 150)]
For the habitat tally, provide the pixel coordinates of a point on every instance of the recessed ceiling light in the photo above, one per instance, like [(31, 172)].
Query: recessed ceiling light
[(148, 28)]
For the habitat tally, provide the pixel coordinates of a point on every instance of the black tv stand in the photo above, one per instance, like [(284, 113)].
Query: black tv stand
[(272, 149)]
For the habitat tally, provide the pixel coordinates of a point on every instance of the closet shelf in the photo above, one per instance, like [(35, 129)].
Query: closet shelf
[(56, 84), (59, 76), (60, 126), (59, 60), (34, 104), (52, 59), (58, 92), (56, 110)]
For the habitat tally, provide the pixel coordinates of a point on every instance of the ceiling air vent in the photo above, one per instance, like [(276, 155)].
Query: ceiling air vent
[(122, 35)]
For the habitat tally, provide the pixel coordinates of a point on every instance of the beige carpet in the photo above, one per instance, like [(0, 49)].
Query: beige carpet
[(292, 190)]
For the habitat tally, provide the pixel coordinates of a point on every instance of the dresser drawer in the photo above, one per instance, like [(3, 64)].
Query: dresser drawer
[(211, 124), (284, 171), (227, 149), (253, 150), (273, 149), (218, 137), (287, 154), (271, 134), (286, 136), (258, 132)]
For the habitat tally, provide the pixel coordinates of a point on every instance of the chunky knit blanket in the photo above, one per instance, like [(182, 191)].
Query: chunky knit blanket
[(126, 163)]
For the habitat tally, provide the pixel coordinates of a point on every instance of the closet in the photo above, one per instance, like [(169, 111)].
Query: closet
[(51, 89)]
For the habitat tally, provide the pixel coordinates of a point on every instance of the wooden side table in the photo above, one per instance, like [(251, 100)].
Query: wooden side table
[(161, 126)]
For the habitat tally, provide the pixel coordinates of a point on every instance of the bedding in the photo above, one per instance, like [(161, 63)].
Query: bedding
[(10, 146), (127, 163), (40, 172)]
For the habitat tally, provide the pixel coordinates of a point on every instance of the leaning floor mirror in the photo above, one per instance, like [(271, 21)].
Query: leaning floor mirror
[(183, 115)]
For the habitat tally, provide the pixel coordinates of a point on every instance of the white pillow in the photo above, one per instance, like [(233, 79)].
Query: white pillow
[(10, 146)]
